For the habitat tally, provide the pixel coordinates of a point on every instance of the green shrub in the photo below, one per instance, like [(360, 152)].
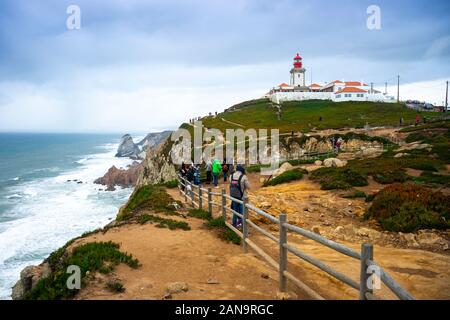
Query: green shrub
[(163, 222), (171, 184), (389, 177), (430, 178), (355, 194), (425, 166), (338, 178), (224, 232), (92, 257), (115, 286), (290, 175), (410, 207)]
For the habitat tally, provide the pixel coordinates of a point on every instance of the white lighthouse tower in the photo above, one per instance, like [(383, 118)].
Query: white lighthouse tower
[(298, 73)]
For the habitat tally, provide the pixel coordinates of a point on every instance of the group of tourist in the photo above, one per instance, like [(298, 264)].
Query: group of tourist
[(336, 143), (239, 183)]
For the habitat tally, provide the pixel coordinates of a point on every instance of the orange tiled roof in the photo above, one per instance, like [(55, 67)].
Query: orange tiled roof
[(315, 85), (284, 85), (354, 84), (351, 89)]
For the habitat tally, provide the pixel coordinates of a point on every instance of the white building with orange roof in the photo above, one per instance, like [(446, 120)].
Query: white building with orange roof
[(337, 90)]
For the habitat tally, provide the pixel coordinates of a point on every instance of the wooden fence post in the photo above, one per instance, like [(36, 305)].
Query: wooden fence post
[(192, 193), (366, 254), (200, 199), (224, 204), (210, 202), (244, 223), (283, 252)]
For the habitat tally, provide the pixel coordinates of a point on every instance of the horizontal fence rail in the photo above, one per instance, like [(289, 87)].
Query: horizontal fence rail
[(368, 268)]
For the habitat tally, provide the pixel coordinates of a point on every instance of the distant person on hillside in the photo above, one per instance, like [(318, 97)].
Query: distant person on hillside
[(338, 144), (183, 173), (190, 173), (216, 169), (417, 120), (401, 121), (239, 185), (320, 118), (208, 171), (225, 170)]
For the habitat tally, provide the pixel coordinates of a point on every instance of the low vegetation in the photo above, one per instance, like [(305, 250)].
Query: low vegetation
[(152, 197), (93, 257), (200, 214), (338, 178), (163, 222), (290, 175), (115, 286), (306, 115), (355, 194), (410, 207), (171, 184), (224, 232)]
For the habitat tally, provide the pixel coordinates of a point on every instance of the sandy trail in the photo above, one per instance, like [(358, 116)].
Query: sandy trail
[(194, 257)]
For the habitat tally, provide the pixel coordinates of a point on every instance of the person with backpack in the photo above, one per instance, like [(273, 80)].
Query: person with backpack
[(216, 169), (225, 170), (239, 185), (208, 170), (196, 170)]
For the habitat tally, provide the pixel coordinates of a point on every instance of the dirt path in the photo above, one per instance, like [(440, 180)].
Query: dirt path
[(194, 257), (425, 274)]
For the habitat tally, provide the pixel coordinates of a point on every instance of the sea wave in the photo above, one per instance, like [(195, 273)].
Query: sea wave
[(50, 211)]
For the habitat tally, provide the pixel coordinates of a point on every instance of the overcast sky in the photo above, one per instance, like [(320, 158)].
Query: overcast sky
[(139, 66)]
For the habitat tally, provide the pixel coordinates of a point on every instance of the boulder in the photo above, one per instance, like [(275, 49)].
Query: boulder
[(399, 155), (318, 162), (283, 168), (177, 287), (334, 162), (29, 277), (316, 229)]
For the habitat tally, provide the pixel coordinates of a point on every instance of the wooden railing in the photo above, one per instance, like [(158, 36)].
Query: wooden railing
[(369, 269)]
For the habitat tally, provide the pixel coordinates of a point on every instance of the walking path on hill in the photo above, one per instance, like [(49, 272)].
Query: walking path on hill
[(196, 257)]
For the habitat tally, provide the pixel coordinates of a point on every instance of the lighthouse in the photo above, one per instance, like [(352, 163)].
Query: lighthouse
[(298, 73)]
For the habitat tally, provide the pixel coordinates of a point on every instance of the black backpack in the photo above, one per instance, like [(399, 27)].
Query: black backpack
[(235, 187)]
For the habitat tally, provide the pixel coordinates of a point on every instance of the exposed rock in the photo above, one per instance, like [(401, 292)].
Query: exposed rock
[(410, 239), (334, 162), (431, 239), (177, 287), (318, 162), (29, 277), (120, 177), (399, 155), (286, 295), (283, 168), (127, 148), (213, 281), (153, 139), (157, 166), (414, 145)]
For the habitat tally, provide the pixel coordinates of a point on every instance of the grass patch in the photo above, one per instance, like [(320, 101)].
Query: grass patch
[(115, 286), (290, 175), (171, 184), (163, 222), (92, 257), (200, 214), (338, 178), (147, 197), (410, 207), (224, 232)]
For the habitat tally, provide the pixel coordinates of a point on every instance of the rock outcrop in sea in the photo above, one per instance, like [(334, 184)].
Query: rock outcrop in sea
[(120, 177), (127, 148)]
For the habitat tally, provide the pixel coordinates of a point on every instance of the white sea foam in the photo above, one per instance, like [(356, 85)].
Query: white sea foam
[(53, 211)]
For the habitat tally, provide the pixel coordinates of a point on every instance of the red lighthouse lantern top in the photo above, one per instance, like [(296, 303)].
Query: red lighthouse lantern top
[(297, 61)]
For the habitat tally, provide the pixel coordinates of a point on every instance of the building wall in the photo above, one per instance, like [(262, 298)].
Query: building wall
[(278, 97)]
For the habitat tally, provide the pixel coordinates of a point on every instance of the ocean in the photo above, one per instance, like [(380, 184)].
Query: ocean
[(41, 204)]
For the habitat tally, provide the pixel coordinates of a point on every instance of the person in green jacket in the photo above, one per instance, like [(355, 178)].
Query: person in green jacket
[(216, 169)]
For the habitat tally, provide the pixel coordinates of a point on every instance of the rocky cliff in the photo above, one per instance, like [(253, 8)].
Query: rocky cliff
[(127, 148), (120, 177)]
